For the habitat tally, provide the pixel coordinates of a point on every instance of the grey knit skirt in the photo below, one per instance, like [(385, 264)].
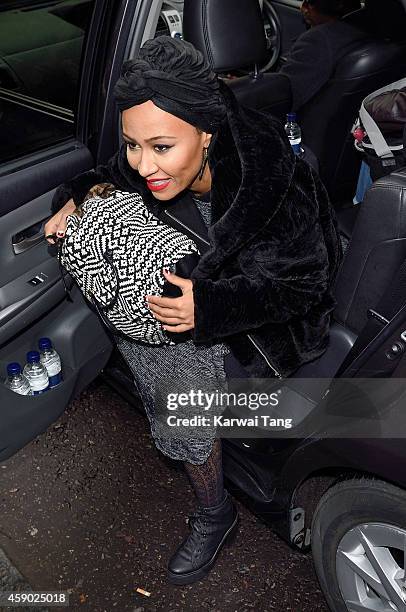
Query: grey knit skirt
[(178, 368)]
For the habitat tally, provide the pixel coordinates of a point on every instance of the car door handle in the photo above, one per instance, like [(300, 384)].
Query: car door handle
[(28, 238)]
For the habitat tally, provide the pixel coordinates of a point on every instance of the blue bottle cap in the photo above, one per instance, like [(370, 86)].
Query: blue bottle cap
[(44, 343), (292, 117), (13, 368), (32, 357)]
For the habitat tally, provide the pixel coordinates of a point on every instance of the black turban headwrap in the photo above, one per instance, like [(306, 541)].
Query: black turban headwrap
[(176, 77)]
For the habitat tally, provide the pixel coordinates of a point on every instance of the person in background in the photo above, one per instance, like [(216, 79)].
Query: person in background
[(315, 54)]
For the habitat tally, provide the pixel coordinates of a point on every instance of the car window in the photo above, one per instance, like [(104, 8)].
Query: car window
[(40, 56)]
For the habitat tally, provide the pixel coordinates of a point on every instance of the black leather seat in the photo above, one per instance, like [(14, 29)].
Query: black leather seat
[(230, 33), (377, 249), (231, 36)]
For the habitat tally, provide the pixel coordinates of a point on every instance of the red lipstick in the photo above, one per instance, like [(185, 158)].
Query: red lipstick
[(157, 184)]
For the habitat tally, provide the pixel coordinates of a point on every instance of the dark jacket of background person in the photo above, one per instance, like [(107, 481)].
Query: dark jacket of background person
[(265, 283), (314, 56)]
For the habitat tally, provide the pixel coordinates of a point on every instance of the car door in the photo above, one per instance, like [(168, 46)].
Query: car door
[(55, 66)]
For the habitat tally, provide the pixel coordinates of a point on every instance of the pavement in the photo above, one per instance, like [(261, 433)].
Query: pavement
[(92, 508)]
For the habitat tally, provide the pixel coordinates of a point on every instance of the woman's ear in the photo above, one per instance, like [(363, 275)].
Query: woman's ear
[(207, 139)]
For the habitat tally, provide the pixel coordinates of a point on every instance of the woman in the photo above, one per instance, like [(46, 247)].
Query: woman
[(262, 290)]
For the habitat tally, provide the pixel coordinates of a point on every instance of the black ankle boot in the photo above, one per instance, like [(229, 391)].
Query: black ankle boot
[(211, 527)]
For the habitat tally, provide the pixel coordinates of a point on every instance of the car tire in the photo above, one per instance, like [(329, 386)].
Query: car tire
[(359, 534)]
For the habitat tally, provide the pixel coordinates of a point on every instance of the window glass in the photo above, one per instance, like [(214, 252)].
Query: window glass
[(40, 51)]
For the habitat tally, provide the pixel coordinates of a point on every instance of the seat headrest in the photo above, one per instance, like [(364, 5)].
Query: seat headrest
[(229, 33)]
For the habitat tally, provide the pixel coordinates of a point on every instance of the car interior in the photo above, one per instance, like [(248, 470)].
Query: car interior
[(239, 40), (60, 120), (377, 246)]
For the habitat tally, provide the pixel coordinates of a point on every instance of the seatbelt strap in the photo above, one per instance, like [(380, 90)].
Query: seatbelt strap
[(380, 316), (378, 141)]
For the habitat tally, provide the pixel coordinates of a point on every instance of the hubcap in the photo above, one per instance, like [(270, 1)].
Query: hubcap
[(370, 565)]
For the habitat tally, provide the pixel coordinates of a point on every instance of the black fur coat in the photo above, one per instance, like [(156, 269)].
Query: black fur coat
[(265, 284)]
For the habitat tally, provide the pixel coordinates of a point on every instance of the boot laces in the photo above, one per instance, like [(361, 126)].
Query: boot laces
[(198, 519), (198, 523)]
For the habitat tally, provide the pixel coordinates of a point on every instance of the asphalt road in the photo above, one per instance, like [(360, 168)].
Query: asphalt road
[(91, 507)]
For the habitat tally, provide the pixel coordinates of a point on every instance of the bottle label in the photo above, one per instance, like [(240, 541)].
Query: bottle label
[(53, 366), (55, 380), (38, 384), (295, 141), (22, 390), (297, 149)]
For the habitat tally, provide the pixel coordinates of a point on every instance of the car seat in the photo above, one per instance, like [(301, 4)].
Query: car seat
[(376, 62), (378, 244), (231, 35), (375, 253)]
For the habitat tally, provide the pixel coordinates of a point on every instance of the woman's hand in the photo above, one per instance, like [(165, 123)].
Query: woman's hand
[(176, 314), (57, 223)]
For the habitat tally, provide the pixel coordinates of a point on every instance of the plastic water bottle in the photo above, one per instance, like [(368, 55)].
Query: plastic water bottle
[(36, 373), (16, 381), (51, 361), (294, 133)]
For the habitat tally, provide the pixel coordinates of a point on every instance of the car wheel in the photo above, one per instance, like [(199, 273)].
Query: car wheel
[(359, 546)]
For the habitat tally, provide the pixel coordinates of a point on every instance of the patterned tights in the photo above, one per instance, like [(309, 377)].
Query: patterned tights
[(207, 478)]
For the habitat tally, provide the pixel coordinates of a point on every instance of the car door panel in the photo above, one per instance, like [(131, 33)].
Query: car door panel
[(25, 417), (30, 280), (84, 348), (37, 174), (30, 311)]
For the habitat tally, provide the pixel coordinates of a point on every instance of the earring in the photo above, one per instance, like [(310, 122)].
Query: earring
[(204, 162)]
